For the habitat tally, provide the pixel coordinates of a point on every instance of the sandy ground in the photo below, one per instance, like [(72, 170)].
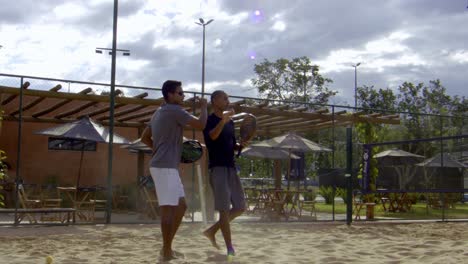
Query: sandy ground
[(254, 242)]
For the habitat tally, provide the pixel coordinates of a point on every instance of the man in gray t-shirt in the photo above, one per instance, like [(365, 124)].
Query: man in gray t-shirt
[(165, 134)]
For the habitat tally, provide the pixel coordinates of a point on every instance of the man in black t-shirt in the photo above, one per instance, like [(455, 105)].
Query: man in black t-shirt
[(227, 189)]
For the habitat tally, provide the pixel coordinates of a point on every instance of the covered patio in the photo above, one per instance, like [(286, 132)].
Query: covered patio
[(27, 108)]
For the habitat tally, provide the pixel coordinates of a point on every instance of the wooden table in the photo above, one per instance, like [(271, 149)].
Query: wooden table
[(80, 199), (395, 201)]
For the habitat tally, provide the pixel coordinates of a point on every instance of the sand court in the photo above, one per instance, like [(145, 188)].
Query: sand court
[(254, 242)]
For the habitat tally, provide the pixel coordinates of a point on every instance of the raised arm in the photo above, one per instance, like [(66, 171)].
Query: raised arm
[(146, 137), (200, 122), (216, 131)]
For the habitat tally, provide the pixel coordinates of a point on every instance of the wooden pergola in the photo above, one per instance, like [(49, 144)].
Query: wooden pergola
[(54, 106)]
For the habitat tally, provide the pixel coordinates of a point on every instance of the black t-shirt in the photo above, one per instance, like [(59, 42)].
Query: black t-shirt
[(221, 150)]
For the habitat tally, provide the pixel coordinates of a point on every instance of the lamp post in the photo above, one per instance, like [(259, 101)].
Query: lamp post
[(202, 23), (355, 83), (111, 114)]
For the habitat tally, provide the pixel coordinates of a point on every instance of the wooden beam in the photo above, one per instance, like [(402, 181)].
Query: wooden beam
[(300, 109), (144, 120), (271, 119), (107, 108), (375, 115), (302, 128), (37, 100), (76, 110), (342, 112), (288, 114), (322, 111), (279, 107), (293, 125), (295, 121), (124, 112), (137, 115), (13, 96), (240, 102), (67, 120), (261, 105), (390, 116), (81, 97), (59, 104)]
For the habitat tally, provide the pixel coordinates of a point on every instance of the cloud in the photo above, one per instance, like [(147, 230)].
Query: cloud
[(396, 41)]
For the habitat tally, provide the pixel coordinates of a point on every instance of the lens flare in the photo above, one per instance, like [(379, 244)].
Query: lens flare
[(252, 55), (256, 16)]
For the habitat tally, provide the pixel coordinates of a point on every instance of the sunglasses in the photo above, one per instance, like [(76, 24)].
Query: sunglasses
[(180, 93)]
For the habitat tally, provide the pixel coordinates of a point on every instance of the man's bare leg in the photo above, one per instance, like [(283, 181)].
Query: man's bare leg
[(211, 232), (179, 213), (167, 223)]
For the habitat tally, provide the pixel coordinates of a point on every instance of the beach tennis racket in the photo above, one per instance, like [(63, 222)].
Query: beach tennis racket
[(192, 151), (248, 128)]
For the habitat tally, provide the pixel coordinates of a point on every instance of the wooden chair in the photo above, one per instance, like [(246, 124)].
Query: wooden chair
[(50, 198), (85, 210), (119, 198), (27, 203), (358, 204), (250, 200), (310, 205)]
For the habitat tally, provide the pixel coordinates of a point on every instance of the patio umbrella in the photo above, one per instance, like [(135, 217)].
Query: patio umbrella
[(397, 157), (444, 160), (401, 160), (267, 153), (138, 146), (291, 142), (84, 129)]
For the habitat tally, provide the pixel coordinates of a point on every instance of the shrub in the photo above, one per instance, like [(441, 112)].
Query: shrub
[(328, 193)]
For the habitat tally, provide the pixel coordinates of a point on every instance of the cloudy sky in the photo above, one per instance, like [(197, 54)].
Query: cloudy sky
[(395, 40)]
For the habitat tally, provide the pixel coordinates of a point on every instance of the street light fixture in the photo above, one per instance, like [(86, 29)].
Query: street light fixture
[(355, 83), (202, 23), (124, 51)]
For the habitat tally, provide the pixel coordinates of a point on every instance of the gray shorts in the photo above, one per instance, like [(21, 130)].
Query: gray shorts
[(227, 189)]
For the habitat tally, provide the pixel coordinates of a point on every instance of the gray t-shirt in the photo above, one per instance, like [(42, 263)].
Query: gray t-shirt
[(167, 127)]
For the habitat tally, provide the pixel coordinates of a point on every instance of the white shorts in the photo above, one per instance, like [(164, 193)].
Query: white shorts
[(169, 188)]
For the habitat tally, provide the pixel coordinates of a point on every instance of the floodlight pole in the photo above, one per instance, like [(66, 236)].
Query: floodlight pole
[(111, 115), (348, 175), (355, 84), (202, 23)]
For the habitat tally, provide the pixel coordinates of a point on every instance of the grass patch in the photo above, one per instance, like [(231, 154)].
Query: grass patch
[(418, 211)]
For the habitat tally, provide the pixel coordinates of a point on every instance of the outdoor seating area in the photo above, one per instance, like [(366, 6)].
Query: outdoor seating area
[(395, 201), (278, 204), (62, 204)]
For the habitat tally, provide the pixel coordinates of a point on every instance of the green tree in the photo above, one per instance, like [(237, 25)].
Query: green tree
[(382, 99), (292, 80)]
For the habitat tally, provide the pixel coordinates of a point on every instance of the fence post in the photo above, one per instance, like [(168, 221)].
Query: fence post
[(349, 169), (18, 156)]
